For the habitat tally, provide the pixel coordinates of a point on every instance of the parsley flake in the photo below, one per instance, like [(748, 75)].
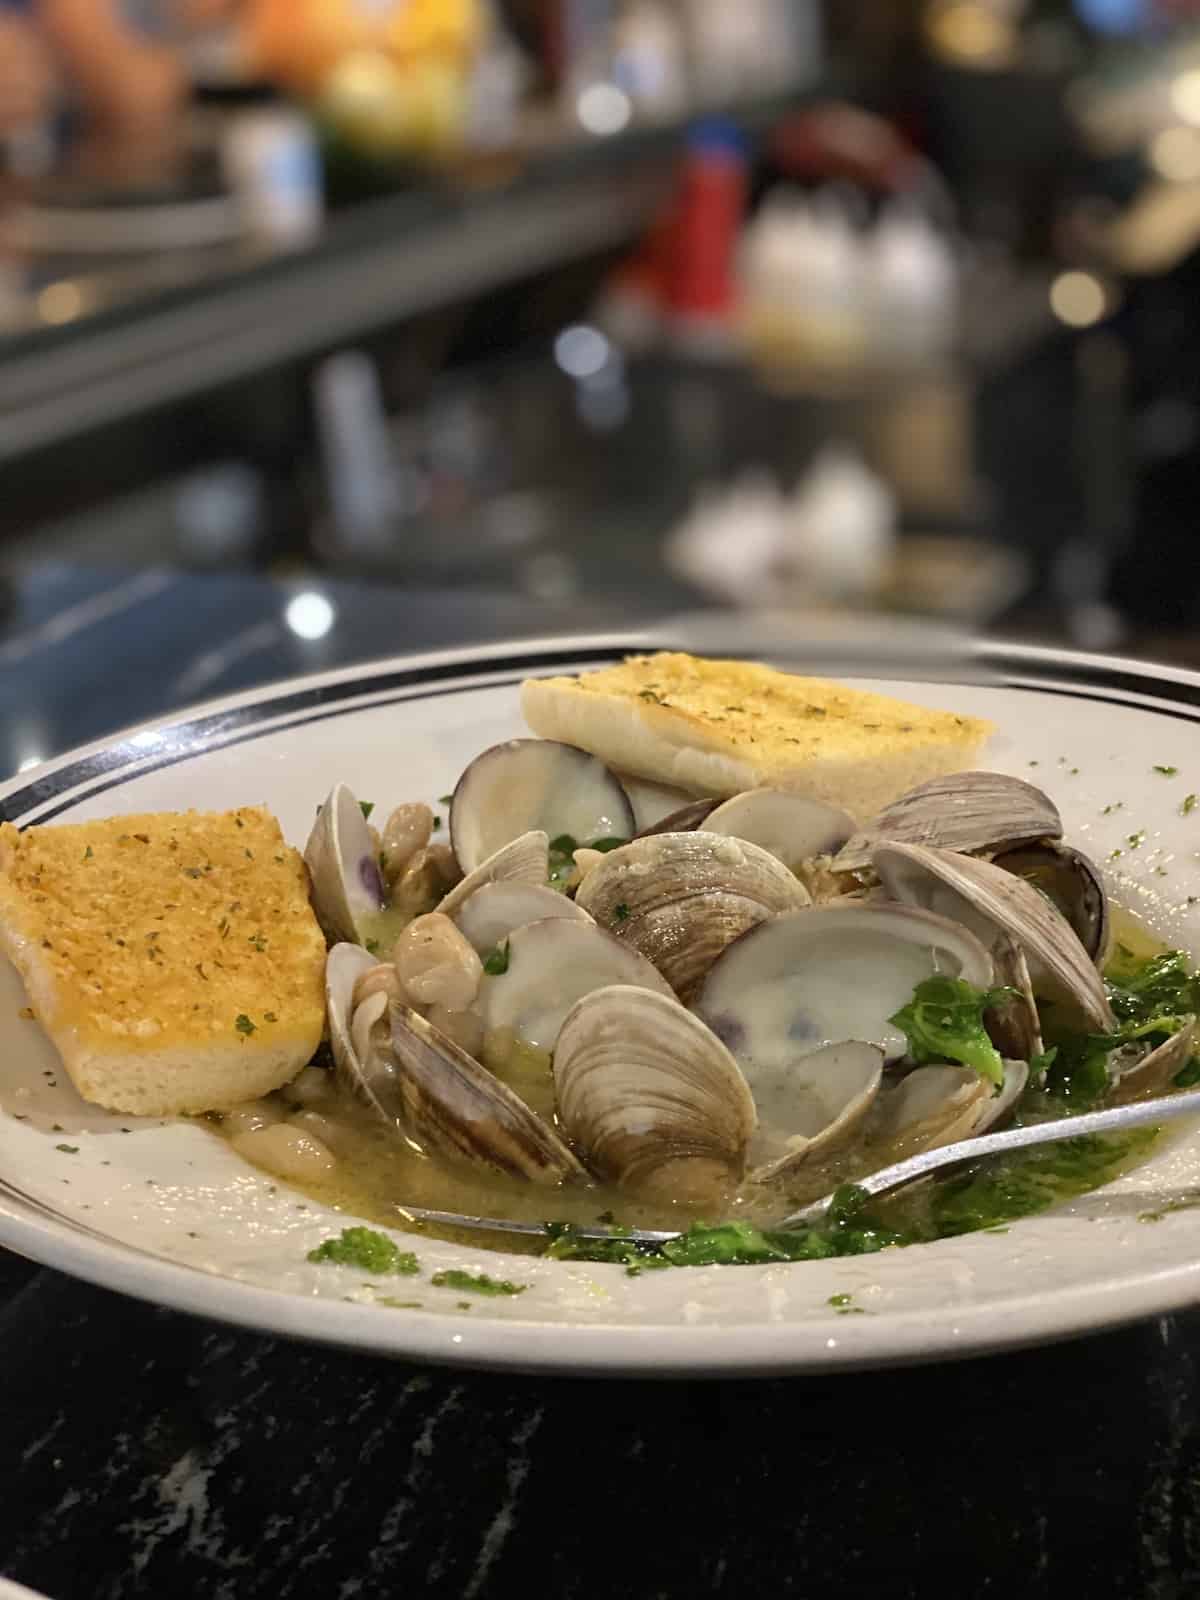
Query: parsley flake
[(244, 1026), (1167, 772)]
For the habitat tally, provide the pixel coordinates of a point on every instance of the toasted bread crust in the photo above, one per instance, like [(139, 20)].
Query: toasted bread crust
[(719, 727), (144, 939)]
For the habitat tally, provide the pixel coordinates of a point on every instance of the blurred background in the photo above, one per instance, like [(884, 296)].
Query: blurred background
[(333, 327)]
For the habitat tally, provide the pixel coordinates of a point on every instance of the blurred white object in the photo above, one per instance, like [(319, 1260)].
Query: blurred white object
[(498, 81), (362, 479), (273, 166), (751, 46), (649, 62), (732, 542), (912, 287), (840, 532)]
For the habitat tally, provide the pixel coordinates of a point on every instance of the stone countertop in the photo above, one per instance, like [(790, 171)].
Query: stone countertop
[(148, 1453)]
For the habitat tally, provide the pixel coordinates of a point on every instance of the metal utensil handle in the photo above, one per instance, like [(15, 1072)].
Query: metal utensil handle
[(1139, 1114)]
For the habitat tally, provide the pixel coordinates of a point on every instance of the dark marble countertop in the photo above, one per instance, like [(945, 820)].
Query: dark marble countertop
[(148, 1453)]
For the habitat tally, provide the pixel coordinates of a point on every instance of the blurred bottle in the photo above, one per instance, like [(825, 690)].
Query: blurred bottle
[(273, 165), (702, 291), (841, 527)]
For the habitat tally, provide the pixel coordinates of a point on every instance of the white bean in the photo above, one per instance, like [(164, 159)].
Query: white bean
[(406, 831), (436, 965), (324, 1130), (419, 887), (249, 1118), (287, 1152)]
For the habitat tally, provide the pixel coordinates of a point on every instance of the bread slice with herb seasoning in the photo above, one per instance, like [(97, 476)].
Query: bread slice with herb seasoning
[(720, 727), (173, 958)]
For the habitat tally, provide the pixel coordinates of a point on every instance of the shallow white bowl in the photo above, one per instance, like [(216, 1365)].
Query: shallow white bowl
[(167, 1212)]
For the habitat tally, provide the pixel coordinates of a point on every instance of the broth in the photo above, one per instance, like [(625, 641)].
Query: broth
[(377, 1175)]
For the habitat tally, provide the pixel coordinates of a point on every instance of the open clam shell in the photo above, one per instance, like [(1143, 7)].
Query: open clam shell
[(811, 1106), (495, 911), (551, 965), (1014, 1026), (831, 973), (681, 898), (686, 819), (535, 785), (353, 1067), (454, 1108), (790, 826), (347, 885), (523, 860), (1073, 882), (651, 1097), (1156, 1072), (966, 811), (985, 898), (936, 1106)]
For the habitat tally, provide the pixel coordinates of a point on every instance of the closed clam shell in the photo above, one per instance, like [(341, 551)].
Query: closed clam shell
[(454, 1108), (985, 898), (680, 898), (966, 811), (652, 1099)]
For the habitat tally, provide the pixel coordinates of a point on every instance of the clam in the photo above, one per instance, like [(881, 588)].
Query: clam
[(934, 1106), (1157, 1070), (535, 785), (550, 965), (967, 811), (810, 1105), (831, 973), (347, 885), (525, 859), (349, 1037), (487, 917), (681, 898), (429, 1093), (651, 1097), (454, 1108), (686, 820), (790, 826), (1073, 882), (988, 900), (1014, 1026)]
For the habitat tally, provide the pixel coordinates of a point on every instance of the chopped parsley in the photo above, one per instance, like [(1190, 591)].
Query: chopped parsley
[(270, 1016), (944, 1022), (88, 853), (437, 822), (366, 807), (1117, 805), (605, 845), (1168, 772), (367, 1250), (1190, 802), (475, 1283), (621, 912), (1136, 840), (839, 1301), (496, 964), (259, 943), (244, 1026), (68, 1149), (445, 799)]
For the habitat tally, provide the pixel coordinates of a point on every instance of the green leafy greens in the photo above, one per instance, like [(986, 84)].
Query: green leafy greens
[(944, 1022), (475, 1283), (368, 1251)]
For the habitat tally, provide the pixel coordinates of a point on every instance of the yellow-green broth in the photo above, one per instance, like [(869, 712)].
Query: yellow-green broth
[(378, 1175)]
